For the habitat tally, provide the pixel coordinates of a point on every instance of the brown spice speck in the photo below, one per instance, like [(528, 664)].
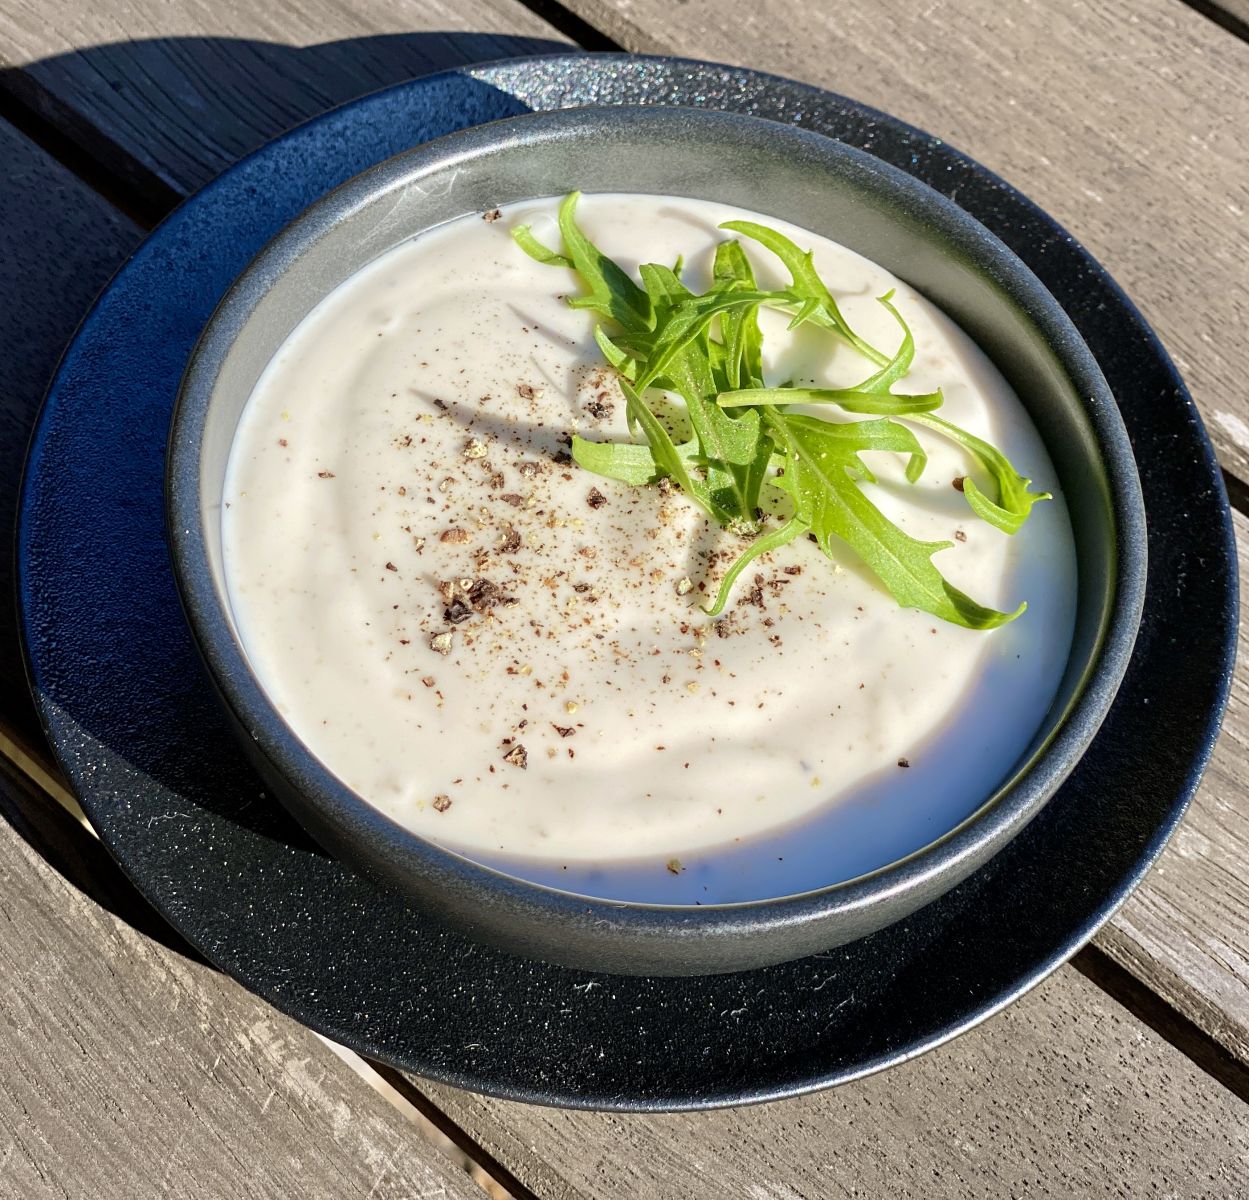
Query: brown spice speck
[(526, 391), (674, 866), (563, 730), (511, 541), (440, 643), (455, 535), (793, 570), (391, 567), (442, 803), (958, 482), (513, 499), (959, 536), (595, 498), (490, 217), (904, 762), (518, 756), (325, 474), (483, 595)]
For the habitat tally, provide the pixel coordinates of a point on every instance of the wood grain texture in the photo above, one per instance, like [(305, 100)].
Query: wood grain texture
[(1123, 118), (1185, 932), (172, 93), (132, 1071), (59, 243), (1064, 1094)]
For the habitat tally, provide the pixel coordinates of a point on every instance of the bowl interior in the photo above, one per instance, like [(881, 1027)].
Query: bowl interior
[(778, 170)]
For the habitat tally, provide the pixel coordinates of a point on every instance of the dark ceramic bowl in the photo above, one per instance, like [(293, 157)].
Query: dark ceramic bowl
[(788, 173)]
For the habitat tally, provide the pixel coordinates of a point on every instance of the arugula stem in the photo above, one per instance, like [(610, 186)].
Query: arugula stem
[(707, 348), (764, 544)]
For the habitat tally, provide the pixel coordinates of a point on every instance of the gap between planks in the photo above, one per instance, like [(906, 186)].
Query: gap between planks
[(1237, 487), (84, 868), (1185, 977), (1094, 963)]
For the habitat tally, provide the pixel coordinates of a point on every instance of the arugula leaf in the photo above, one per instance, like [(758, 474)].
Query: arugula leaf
[(741, 341), (884, 404), (612, 292), (524, 237), (807, 290), (872, 396), (820, 458), (616, 356), (1014, 501), (732, 448), (708, 349), (626, 461), (846, 440), (669, 459), (765, 543)]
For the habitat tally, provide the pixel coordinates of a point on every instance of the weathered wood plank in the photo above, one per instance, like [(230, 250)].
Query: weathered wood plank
[(108, 1035), (1145, 1125), (1124, 119), (176, 92), (1185, 933), (1026, 1101), (59, 243), (131, 1070), (1064, 1094)]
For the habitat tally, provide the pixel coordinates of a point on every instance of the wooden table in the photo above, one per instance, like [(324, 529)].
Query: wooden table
[(128, 1068)]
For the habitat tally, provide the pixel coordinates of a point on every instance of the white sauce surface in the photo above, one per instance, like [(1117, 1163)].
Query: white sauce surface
[(405, 436)]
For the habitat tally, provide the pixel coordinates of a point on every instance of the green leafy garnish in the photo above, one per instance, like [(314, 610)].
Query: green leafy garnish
[(1014, 501), (707, 348), (820, 477)]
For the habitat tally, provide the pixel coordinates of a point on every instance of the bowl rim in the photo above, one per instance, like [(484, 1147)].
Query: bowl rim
[(1002, 814)]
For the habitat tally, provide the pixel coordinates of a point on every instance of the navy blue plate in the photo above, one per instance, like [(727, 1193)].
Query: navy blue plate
[(137, 730)]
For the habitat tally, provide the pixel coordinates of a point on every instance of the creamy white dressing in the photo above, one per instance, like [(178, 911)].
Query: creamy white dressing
[(584, 724)]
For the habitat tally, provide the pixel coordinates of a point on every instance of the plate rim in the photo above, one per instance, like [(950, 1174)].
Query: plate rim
[(1025, 981)]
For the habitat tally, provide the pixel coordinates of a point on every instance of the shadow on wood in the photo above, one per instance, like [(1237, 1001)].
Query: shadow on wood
[(62, 239)]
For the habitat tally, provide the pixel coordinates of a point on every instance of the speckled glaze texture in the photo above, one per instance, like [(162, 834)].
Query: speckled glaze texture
[(140, 734), (786, 172)]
